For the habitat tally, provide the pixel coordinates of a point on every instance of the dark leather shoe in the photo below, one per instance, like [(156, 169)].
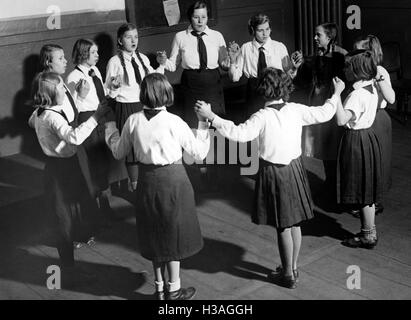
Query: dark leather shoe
[(354, 213), (277, 277), (360, 242), (181, 294), (287, 282), (296, 275), (379, 208), (160, 296), (279, 270)]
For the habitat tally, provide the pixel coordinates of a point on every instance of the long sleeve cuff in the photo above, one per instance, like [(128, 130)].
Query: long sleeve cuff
[(334, 100), (203, 125), (217, 122)]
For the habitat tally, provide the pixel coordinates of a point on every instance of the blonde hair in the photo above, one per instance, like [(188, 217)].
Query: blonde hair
[(46, 55), (372, 44), (44, 89)]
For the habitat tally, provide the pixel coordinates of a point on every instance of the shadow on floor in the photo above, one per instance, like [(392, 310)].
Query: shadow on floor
[(219, 256), (24, 267)]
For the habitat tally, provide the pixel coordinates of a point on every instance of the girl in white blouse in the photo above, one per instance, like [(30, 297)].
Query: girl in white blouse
[(382, 124), (282, 193), (200, 51), (85, 57), (258, 54), (65, 186), (125, 72), (167, 223), (359, 167)]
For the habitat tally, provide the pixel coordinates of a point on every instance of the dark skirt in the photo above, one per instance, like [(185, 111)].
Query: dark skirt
[(123, 111), (98, 154), (359, 168), (202, 85), (383, 129), (282, 195), (254, 101), (69, 204), (321, 140), (167, 223)]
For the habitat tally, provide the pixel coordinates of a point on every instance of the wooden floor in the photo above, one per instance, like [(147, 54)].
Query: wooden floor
[(237, 254)]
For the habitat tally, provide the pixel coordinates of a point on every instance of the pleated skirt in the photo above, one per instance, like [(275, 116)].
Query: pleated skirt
[(282, 195), (167, 223), (122, 112), (321, 140), (382, 127), (202, 85), (359, 168)]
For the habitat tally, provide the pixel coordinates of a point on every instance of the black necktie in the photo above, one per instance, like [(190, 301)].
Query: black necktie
[(202, 51), (277, 106), (261, 64), (73, 105), (136, 70), (150, 113), (369, 88), (98, 85)]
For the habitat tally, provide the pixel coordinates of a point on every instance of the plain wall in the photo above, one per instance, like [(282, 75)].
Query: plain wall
[(388, 20)]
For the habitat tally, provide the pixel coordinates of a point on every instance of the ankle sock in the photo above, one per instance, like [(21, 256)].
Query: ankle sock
[(369, 234), (174, 286), (159, 286)]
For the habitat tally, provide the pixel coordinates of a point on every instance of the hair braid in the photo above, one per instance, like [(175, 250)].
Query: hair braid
[(123, 64), (142, 63)]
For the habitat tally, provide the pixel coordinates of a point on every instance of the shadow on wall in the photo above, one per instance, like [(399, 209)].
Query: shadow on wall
[(16, 125), (107, 49)]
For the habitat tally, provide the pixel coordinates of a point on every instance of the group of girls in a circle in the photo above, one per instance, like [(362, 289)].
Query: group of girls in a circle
[(83, 121)]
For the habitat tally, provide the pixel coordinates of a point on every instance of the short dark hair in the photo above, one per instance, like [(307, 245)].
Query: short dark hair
[(44, 89), (361, 65), (256, 20), (201, 4), (81, 50), (275, 84), (122, 30), (46, 55), (331, 30), (156, 91)]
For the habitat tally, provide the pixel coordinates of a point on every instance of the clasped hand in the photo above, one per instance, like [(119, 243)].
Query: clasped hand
[(203, 111)]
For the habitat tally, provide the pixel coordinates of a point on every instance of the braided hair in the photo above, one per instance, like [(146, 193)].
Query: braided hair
[(120, 33), (331, 30)]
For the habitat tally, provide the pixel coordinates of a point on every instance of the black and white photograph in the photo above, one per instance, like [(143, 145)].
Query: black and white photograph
[(226, 152)]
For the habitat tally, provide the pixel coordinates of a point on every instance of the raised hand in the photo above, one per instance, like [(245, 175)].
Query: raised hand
[(161, 57), (233, 51), (83, 88), (203, 110), (297, 59), (339, 85), (115, 82)]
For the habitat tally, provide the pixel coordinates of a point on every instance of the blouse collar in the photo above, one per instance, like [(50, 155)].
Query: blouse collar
[(190, 29)]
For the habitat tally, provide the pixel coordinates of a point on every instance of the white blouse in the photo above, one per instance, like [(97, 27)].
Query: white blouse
[(184, 50), (158, 141), (56, 137), (382, 103), (91, 101), (128, 93), (278, 132), (276, 56), (363, 104)]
